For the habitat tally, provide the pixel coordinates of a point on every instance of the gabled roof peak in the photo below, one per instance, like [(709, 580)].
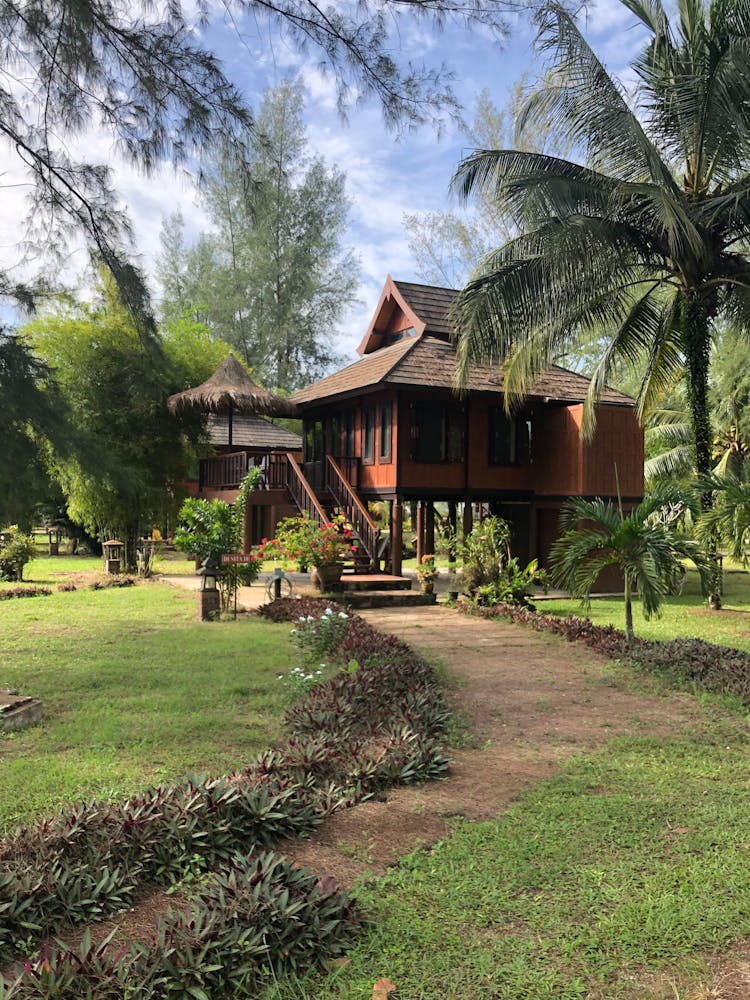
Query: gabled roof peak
[(408, 309)]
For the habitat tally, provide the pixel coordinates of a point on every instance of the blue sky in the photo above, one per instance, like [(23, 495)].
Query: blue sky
[(387, 175)]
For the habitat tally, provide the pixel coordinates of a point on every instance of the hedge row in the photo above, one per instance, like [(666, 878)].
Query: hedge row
[(686, 662), (261, 919)]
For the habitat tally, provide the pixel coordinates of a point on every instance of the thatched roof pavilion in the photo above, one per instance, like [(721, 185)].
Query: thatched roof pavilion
[(230, 390)]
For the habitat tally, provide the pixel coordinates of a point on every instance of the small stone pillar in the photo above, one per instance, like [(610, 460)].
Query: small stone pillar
[(113, 552)]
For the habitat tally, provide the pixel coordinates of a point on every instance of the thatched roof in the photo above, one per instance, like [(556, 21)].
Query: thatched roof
[(230, 388)]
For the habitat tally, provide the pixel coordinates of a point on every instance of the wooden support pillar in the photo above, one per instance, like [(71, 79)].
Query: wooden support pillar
[(468, 518), (397, 537), (452, 524), (429, 529), (420, 532)]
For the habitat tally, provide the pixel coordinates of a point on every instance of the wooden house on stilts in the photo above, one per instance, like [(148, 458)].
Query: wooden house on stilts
[(390, 428)]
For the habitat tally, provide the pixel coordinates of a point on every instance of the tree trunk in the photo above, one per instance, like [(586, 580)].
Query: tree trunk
[(697, 346), (629, 633)]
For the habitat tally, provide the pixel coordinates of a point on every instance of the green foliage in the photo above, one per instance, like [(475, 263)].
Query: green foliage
[(643, 244), (304, 541), (33, 416), (727, 519), (122, 478), (16, 549), (486, 550), (271, 277), (257, 919), (514, 584), (320, 635), (596, 534), (207, 529), (490, 574)]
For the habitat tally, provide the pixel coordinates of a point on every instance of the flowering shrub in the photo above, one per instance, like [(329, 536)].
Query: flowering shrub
[(299, 681), (302, 540), (320, 635), (427, 571)]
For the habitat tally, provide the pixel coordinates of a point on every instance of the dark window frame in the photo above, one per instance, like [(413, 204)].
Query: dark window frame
[(368, 435), (385, 443), (446, 425)]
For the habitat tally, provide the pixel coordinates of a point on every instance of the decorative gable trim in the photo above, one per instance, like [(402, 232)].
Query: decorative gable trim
[(391, 300)]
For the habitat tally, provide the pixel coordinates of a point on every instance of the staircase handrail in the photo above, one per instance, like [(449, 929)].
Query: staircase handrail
[(353, 508), (302, 492)]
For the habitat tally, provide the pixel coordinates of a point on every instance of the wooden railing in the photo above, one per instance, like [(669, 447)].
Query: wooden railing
[(223, 471), (302, 493), (353, 509), (276, 469)]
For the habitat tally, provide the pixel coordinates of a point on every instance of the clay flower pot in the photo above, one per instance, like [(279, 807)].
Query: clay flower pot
[(328, 576)]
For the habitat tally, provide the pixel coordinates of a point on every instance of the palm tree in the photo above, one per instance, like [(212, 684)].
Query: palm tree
[(646, 241), (728, 517), (649, 553)]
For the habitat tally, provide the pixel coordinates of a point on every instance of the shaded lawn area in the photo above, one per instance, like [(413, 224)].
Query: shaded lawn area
[(135, 690), (686, 615), (607, 882)]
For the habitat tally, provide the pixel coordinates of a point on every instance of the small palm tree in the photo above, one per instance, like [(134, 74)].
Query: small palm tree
[(597, 534), (728, 519)]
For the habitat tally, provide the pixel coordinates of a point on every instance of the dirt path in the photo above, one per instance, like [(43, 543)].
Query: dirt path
[(528, 701)]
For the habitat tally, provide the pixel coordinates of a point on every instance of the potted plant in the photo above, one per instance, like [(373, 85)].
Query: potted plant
[(427, 573), (306, 542)]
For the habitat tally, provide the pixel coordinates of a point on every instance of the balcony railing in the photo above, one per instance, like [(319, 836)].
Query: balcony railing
[(224, 472)]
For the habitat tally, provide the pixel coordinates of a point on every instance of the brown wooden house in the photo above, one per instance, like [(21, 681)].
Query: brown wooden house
[(390, 427)]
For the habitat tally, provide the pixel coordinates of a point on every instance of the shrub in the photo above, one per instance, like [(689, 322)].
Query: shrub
[(291, 609), (320, 635), (718, 669), (16, 549), (256, 920), (10, 592), (304, 541)]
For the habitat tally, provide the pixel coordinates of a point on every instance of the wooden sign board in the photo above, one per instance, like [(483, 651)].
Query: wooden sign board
[(236, 558)]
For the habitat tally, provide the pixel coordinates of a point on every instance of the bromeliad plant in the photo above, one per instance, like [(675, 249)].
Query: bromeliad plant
[(304, 541)]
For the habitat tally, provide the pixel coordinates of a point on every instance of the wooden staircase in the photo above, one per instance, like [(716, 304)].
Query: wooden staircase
[(336, 495)]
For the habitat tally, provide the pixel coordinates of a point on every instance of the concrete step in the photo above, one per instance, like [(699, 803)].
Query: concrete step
[(358, 599), (373, 581), (17, 711)]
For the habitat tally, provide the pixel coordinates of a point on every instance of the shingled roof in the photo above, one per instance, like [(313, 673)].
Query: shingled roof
[(431, 303), (252, 432), (427, 362)]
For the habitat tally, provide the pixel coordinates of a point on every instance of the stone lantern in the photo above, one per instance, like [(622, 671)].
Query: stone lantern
[(208, 595)]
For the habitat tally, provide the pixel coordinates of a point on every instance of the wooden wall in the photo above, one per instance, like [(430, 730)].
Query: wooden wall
[(562, 465)]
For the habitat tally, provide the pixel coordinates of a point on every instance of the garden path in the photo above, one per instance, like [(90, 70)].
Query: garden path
[(526, 702)]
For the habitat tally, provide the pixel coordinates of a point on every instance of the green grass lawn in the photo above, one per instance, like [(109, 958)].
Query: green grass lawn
[(135, 690), (686, 615), (609, 882)]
